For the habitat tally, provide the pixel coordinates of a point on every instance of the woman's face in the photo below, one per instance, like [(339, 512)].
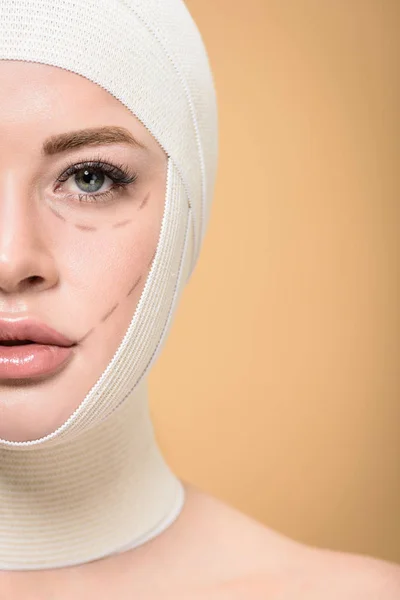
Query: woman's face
[(76, 239)]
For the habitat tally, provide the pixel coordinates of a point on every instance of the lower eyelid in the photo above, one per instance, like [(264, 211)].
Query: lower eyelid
[(106, 196)]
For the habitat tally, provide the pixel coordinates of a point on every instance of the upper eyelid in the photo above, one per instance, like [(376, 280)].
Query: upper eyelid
[(120, 171), (48, 176), (90, 155), (70, 170)]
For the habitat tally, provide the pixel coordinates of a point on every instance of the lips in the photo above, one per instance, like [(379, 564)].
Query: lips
[(30, 348), (30, 331)]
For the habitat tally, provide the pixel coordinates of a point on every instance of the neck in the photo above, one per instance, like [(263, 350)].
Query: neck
[(104, 492)]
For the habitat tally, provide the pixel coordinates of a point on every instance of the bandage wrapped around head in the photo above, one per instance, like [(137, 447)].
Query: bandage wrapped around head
[(149, 55)]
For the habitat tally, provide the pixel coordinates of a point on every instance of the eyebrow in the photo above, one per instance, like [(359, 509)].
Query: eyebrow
[(96, 136)]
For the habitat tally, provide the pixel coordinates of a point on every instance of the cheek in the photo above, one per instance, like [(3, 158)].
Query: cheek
[(104, 272)]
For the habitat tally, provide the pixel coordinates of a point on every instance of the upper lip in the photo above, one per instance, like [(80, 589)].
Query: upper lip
[(31, 330)]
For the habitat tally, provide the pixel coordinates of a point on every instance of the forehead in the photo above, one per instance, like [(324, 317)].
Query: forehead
[(37, 99), (39, 87)]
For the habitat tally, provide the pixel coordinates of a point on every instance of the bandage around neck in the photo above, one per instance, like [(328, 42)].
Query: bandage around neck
[(66, 498)]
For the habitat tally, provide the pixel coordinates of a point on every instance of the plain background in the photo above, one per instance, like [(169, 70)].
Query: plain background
[(279, 387)]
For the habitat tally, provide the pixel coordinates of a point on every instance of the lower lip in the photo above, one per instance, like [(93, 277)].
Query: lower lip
[(31, 360)]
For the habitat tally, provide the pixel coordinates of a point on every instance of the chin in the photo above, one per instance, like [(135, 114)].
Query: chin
[(31, 411)]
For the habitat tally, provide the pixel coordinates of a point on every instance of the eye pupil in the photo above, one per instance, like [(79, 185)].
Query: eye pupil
[(86, 178)]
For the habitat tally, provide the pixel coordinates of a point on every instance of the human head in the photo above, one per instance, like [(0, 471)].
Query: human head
[(90, 270), (68, 256)]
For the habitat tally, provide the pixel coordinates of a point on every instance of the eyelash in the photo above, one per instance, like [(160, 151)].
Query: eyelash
[(119, 175)]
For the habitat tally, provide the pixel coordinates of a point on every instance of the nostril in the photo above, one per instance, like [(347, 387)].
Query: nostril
[(12, 281), (34, 279)]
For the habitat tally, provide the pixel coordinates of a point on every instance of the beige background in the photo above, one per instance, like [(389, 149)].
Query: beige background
[(278, 390)]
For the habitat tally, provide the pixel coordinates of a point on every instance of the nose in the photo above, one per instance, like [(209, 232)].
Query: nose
[(26, 261)]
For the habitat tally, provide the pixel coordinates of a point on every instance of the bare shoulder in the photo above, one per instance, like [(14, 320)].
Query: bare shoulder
[(252, 561), (316, 575), (350, 576)]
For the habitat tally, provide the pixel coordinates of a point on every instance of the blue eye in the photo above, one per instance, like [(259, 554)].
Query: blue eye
[(90, 176)]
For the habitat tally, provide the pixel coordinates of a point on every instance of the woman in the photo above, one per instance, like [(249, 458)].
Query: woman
[(108, 153)]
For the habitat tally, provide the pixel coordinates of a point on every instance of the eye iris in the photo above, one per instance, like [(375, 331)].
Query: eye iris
[(90, 178)]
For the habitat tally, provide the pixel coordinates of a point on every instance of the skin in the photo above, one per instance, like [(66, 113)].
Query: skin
[(49, 269)]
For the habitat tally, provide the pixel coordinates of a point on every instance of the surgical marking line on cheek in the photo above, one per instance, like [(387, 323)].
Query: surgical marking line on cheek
[(86, 336), (144, 202), (110, 312), (152, 258), (113, 309), (85, 227), (122, 223), (57, 214), (135, 285)]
